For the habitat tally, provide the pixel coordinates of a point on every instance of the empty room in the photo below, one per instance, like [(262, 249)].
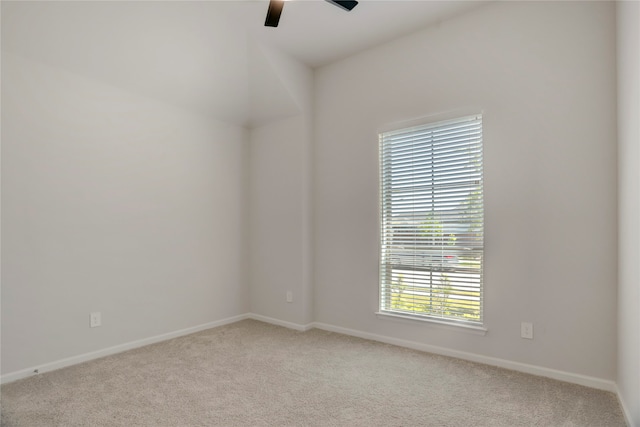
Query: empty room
[(320, 213)]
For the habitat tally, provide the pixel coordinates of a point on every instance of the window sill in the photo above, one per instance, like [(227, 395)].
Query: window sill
[(461, 327)]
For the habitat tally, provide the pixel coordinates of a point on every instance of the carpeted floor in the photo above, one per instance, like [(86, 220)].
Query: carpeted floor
[(255, 374)]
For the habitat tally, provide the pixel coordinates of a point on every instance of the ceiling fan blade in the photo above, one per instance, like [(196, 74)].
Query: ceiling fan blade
[(346, 5), (273, 13)]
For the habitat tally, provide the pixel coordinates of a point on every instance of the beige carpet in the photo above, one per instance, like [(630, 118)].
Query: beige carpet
[(255, 374)]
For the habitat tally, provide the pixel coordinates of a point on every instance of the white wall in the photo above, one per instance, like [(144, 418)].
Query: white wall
[(276, 218), (114, 203), (280, 203), (544, 75), (628, 25)]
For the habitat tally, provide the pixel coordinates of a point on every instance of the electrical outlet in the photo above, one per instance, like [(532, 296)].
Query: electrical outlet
[(526, 330), (289, 296), (96, 319)]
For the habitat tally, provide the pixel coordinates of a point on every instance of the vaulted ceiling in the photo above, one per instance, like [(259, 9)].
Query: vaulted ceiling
[(205, 56)]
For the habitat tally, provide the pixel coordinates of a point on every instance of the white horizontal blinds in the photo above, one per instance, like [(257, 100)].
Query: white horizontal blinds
[(432, 220)]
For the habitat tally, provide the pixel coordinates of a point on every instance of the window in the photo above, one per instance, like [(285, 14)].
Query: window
[(431, 210)]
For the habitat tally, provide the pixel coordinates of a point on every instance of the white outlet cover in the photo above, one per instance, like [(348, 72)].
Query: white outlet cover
[(526, 330), (96, 319)]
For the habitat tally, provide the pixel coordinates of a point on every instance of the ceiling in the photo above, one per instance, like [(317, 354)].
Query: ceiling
[(317, 33), (195, 54)]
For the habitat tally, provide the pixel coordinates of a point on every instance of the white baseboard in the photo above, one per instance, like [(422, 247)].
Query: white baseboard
[(584, 380), (74, 360), (625, 409), (279, 322)]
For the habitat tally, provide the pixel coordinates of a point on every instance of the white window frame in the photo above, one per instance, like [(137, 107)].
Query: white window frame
[(415, 282)]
